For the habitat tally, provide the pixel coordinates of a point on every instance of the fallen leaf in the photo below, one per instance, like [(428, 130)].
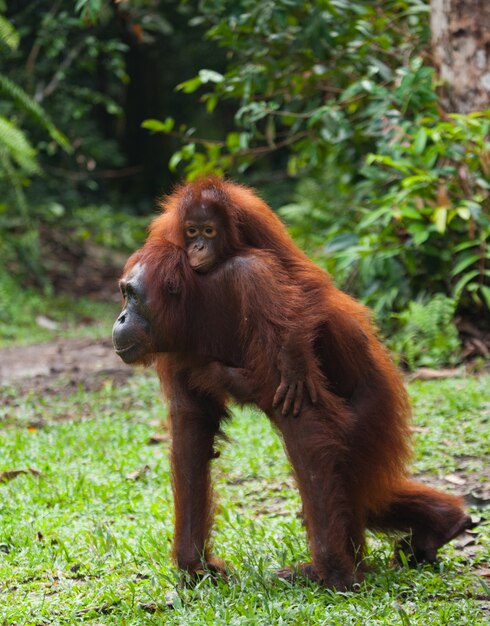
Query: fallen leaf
[(465, 540), (158, 438), (484, 571), (172, 600), (45, 322), (454, 479), (475, 521), (474, 499), (149, 607), (11, 474), (138, 474), (426, 373)]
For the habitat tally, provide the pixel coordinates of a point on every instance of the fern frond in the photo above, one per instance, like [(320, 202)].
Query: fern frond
[(8, 34), (30, 106), (16, 145), (428, 336)]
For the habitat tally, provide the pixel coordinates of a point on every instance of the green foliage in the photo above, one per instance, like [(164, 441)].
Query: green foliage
[(15, 150), (29, 140), (417, 219), (427, 336), (433, 203), (9, 37), (17, 155), (392, 194), (25, 103), (90, 9), (100, 225), (76, 79), (88, 540), (303, 76), (70, 243)]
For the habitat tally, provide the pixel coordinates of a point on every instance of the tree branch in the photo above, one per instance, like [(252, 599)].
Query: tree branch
[(65, 64)]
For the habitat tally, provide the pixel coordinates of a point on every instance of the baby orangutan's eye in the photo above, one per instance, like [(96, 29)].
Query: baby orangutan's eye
[(191, 232)]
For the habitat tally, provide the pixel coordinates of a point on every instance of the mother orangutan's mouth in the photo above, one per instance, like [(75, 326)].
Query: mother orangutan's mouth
[(124, 350)]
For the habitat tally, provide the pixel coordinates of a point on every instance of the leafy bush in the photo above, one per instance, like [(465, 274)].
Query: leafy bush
[(427, 334), (301, 76), (434, 205), (421, 218), (17, 154), (50, 47), (392, 194)]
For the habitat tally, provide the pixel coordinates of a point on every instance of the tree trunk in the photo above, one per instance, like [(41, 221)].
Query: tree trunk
[(461, 48)]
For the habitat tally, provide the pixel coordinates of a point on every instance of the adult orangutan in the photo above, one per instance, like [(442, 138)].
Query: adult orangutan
[(221, 332)]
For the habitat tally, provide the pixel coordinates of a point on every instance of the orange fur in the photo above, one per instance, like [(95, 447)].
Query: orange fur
[(349, 450)]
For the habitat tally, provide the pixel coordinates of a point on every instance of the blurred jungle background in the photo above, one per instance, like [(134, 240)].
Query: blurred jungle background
[(364, 124)]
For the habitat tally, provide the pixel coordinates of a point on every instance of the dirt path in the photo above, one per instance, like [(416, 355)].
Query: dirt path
[(75, 361)]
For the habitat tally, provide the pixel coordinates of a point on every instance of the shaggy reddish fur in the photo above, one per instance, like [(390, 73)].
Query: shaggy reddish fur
[(223, 332)]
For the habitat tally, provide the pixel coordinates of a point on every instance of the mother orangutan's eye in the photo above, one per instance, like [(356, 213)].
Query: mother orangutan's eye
[(131, 293)]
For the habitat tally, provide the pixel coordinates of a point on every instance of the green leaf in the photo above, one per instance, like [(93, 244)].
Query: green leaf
[(410, 213), (402, 165), (175, 159), (8, 35), (30, 106), (440, 219), (17, 146), (89, 8), (211, 101), (158, 126), (464, 213), (416, 181), (463, 281), (233, 141), (189, 86), (485, 291), (465, 245), (367, 85), (383, 214), (420, 235), (420, 141), (465, 262)]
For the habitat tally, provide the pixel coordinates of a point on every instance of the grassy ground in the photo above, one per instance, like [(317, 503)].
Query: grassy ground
[(87, 540), (28, 316)]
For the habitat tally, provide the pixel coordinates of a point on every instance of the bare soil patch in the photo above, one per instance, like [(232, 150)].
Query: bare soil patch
[(61, 364)]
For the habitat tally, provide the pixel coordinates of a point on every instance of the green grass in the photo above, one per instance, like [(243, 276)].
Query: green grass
[(84, 544), (74, 317)]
